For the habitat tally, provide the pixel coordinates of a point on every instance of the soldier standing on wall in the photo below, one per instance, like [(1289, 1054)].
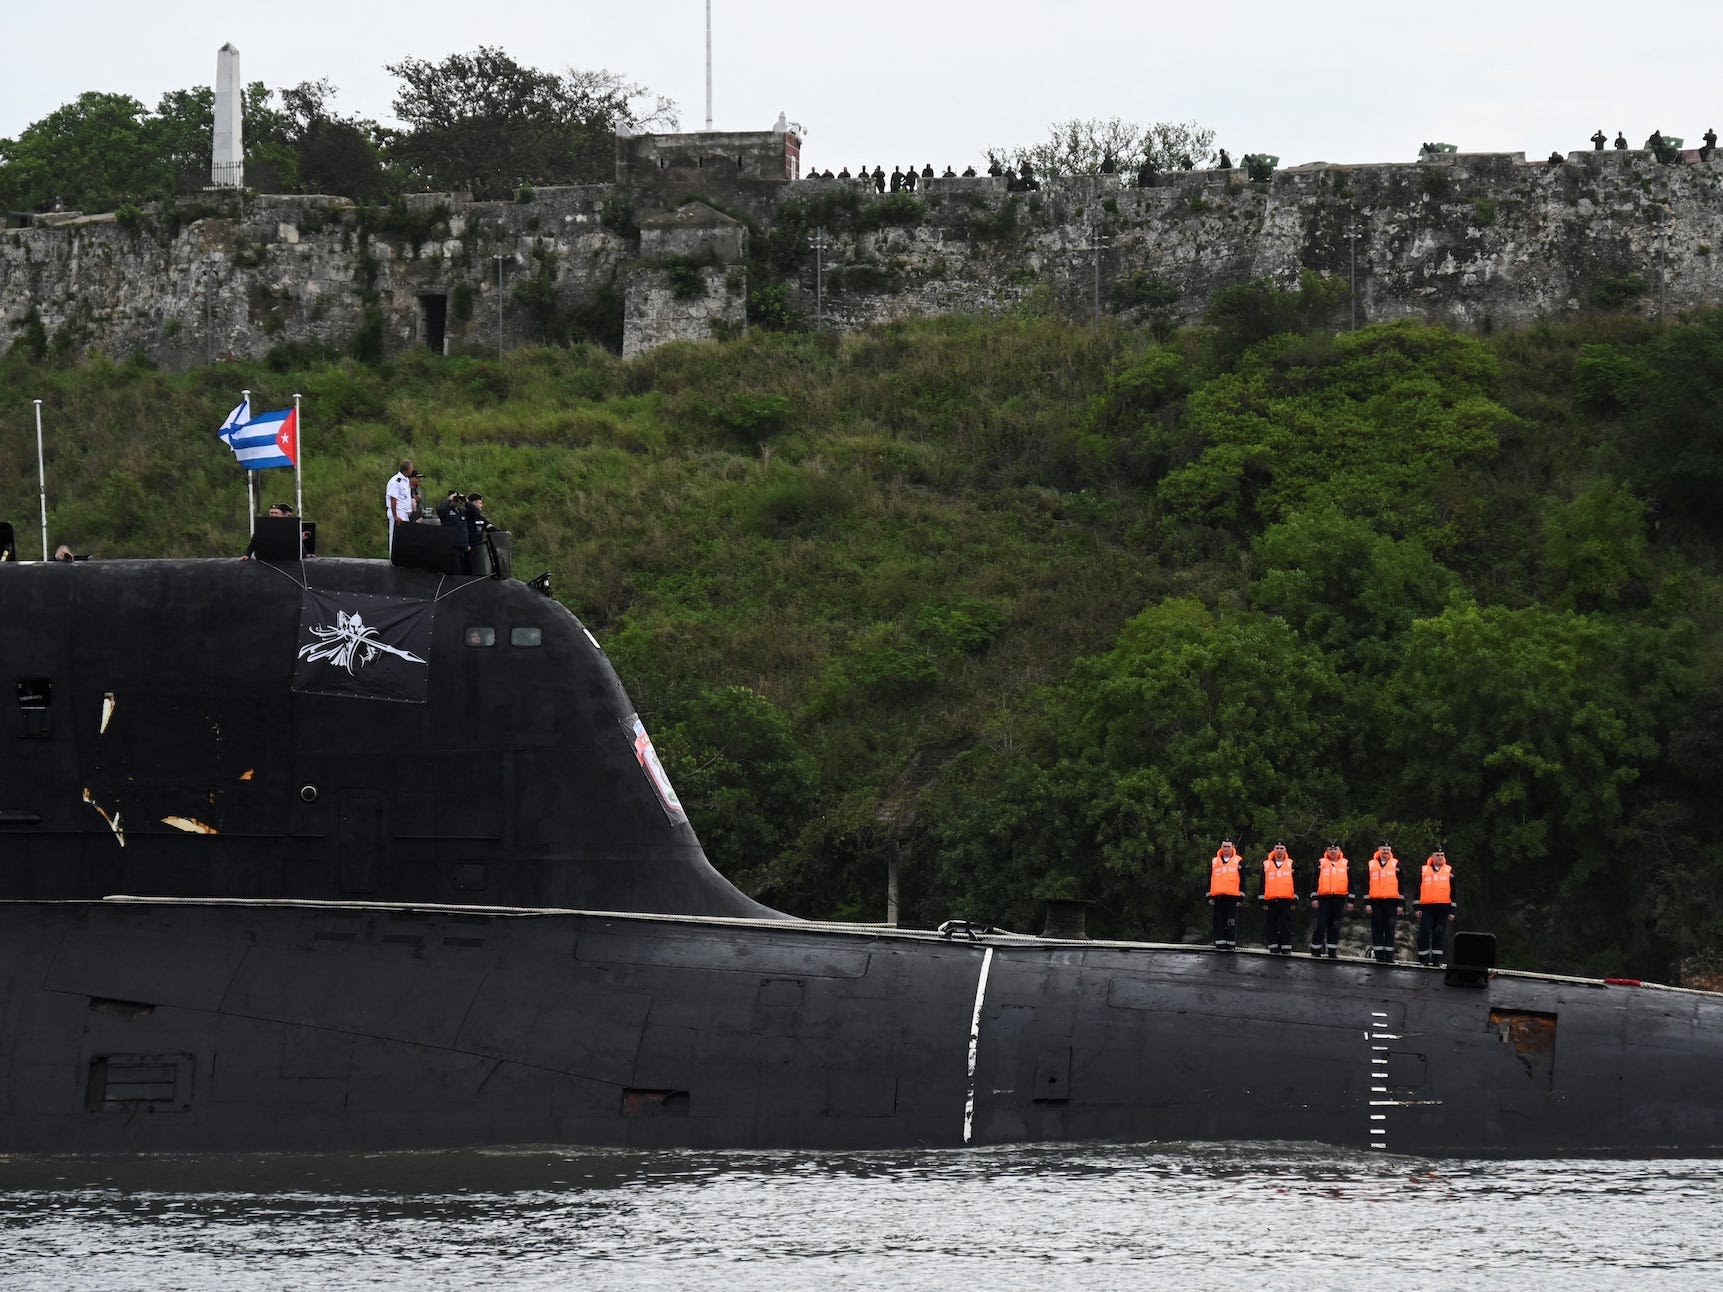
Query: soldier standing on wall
[(1710, 145), (1620, 139), (1599, 140)]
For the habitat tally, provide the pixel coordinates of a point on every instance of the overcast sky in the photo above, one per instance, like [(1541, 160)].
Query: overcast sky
[(918, 81)]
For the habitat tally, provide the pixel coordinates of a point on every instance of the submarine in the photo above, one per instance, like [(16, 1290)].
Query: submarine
[(338, 854)]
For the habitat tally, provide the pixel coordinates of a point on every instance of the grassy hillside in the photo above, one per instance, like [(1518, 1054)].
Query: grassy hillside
[(1045, 609)]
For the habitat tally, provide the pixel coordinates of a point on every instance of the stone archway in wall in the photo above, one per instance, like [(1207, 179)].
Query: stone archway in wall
[(434, 322)]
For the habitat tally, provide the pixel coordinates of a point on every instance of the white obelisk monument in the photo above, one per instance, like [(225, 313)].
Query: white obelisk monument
[(227, 169)]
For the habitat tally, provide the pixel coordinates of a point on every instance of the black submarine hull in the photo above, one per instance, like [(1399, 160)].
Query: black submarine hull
[(374, 816), (180, 1026)]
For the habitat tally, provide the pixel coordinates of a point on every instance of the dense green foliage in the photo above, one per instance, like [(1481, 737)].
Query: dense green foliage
[(1079, 147), (478, 121), (484, 122), (1044, 610)]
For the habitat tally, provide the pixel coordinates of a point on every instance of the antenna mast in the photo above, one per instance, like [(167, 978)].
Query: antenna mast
[(708, 66)]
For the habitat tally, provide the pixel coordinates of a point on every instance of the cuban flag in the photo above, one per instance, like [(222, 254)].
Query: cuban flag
[(238, 417), (266, 442)]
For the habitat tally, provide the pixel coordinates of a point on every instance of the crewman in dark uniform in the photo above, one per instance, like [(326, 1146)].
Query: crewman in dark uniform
[(1279, 896), (452, 516), (1333, 896), (1382, 900), (478, 561), (1435, 909), (1225, 887)]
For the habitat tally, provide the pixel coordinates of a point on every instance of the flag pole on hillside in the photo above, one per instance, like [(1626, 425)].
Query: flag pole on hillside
[(42, 479), (298, 479), (250, 479), (229, 424)]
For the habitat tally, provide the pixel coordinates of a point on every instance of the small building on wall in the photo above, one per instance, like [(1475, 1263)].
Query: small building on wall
[(709, 157)]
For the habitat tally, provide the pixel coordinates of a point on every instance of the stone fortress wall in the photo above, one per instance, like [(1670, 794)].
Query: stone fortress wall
[(1474, 240)]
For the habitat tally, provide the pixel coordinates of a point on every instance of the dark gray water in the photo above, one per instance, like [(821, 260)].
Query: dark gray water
[(1235, 1217)]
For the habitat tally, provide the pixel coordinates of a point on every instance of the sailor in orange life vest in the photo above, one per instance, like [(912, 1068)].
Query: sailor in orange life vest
[(1333, 899), (1382, 900), (1435, 908), (1225, 887), (1279, 896)]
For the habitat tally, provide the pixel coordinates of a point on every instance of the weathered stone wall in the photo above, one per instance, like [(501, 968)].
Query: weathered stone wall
[(1474, 240), (705, 301)]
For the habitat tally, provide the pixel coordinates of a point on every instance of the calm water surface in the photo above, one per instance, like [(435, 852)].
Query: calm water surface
[(1249, 1217)]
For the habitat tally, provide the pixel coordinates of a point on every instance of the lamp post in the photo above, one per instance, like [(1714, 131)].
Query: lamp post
[(1352, 232), (819, 244), (208, 315), (1666, 224), (1097, 240), (498, 258)]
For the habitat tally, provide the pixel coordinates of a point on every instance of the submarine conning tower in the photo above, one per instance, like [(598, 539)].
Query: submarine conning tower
[(327, 730)]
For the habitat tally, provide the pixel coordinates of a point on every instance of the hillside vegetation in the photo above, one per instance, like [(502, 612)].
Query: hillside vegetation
[(1044, 610)]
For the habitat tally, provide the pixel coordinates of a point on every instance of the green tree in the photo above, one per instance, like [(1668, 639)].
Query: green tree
[(1672, 431), (1386, 424), (748, 786), (485, 122), (1078, 147), (1522, 735), (1252, 312), (1595, 554), (1346, 588), (332, 153), (1195, 724), (92, 155), (183, 129)]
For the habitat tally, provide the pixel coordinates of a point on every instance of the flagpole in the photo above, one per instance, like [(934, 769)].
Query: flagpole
[(250, 483), (298, 481), (42, 479)]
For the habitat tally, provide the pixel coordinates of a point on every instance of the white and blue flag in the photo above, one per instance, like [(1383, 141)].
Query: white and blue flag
[(237, 418), (267, 441)]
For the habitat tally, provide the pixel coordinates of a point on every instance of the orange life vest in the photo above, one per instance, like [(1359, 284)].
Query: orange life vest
[(1332, 878), (1384, 869), (1223, 879), (1277, 880), (1434, 886)]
